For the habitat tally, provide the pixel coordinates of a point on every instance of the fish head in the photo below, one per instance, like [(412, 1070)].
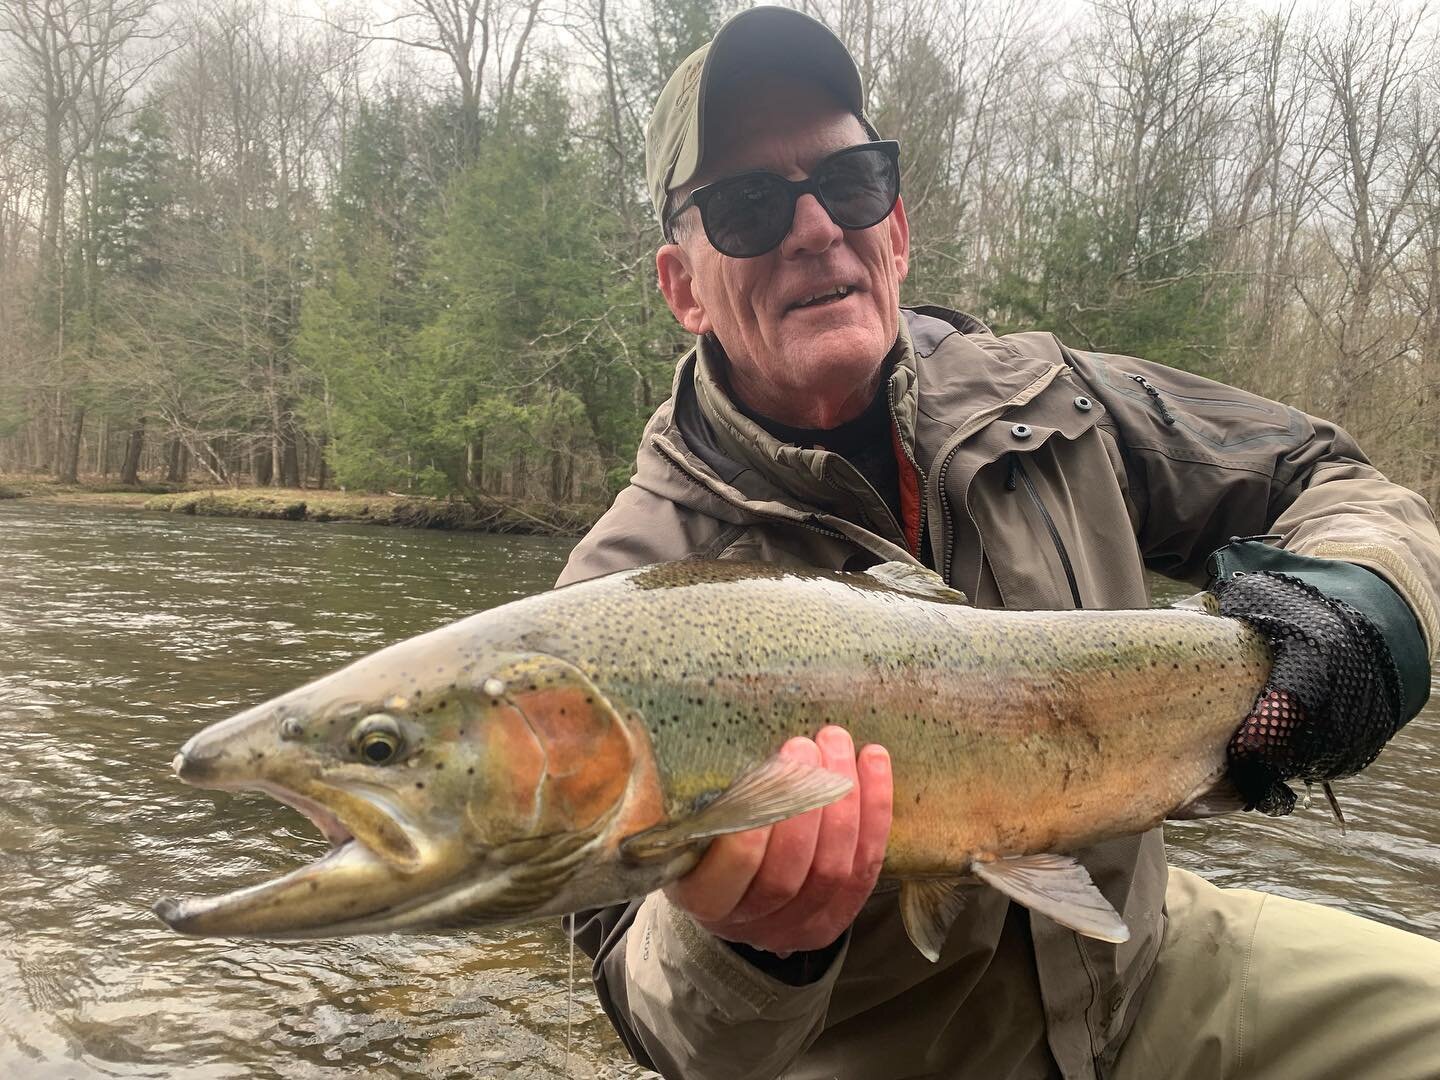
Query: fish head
[(480, 788)]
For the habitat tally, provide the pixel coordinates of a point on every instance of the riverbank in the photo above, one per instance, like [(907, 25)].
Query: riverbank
[(308, 504)]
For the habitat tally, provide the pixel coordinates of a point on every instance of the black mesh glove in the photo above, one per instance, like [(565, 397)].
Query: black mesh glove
[(1335, 695)]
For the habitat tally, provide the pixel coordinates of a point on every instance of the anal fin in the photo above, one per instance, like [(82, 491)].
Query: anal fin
[(770, 792), (1058, 887), (929, 907)]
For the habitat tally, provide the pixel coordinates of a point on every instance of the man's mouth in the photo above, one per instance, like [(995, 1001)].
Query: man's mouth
[(820, 299)]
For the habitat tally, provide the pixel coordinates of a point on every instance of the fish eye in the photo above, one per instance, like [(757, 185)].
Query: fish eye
[(377, 739)]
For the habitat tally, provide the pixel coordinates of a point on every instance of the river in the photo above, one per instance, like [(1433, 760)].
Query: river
[(122, 633)]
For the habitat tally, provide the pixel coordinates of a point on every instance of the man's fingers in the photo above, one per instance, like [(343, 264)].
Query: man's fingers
[(877, 802), (840, 821), (711, 890), (831, 897), (789, 853), (800, 883)]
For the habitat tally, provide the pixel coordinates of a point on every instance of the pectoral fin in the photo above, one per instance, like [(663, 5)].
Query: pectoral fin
[(771, 792), (929, 908), (1058, 887), (917, 581)]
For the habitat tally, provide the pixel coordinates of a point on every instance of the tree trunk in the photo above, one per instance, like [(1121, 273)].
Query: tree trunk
[(518, 473), (130, 470), (174, 462), (289, 458), (70, 468), (264, 466)]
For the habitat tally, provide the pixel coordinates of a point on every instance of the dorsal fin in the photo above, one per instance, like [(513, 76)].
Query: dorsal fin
[(918, 581)]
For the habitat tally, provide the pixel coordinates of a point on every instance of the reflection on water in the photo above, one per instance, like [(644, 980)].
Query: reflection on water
[(123, 634)]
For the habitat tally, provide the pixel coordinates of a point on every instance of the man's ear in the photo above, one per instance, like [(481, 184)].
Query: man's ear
[(677, 285), (900, 239)]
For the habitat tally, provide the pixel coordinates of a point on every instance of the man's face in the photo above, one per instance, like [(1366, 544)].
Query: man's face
[(808, 365)]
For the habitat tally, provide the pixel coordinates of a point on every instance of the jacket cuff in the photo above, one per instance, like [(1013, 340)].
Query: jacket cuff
[(796, 969), (1359, 586), (734, 988)]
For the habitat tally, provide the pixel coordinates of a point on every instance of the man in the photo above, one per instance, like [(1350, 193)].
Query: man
[(817, 423)]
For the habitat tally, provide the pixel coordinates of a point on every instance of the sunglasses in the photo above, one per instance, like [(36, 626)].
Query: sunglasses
[(748, 215)]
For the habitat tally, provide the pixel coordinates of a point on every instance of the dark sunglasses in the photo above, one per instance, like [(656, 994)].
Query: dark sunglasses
[(748, 215)]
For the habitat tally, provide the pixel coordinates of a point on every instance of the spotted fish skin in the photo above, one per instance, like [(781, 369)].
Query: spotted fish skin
[(538, 738), (1009, 732)]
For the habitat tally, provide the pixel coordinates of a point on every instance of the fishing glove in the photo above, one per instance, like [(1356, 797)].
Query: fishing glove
[(1351, 668)]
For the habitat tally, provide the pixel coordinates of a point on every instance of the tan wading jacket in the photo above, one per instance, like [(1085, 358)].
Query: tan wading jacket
[(1051, 479)]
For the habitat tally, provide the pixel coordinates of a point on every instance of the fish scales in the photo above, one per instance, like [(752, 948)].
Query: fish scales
[(1008, 731), (583, 746)]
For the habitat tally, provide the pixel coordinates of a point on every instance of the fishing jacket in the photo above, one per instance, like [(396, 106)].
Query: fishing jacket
[(1045, 478)]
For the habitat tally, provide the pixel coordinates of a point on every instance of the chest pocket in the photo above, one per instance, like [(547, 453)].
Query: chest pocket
[(1046, 523)]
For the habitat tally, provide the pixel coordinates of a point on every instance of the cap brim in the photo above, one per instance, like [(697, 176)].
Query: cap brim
[(760, 40)]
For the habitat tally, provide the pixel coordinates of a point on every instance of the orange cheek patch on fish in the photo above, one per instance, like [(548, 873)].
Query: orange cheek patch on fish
[(585, 747), (513, 777)]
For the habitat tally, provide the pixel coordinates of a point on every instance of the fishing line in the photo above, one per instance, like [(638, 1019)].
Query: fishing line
[(570, 993)]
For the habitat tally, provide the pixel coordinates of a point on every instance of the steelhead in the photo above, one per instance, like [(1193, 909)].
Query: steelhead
[(582, 746)]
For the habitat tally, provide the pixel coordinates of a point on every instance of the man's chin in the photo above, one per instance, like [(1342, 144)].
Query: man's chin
[(836, 346), (834, 375)]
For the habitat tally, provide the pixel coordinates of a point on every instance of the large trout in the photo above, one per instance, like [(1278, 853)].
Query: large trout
[(583, 746)]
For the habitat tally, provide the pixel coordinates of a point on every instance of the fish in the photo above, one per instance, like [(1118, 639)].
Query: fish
[(583, 746)]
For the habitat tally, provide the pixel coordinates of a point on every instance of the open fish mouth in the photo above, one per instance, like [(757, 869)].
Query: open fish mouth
[(320, 815), (352, 880)]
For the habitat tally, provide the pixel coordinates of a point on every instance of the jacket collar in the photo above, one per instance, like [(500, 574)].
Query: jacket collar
[(703, 433), (816, 477)]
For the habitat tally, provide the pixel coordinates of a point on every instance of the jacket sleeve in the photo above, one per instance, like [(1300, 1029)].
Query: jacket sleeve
[(641, 528), (1205, 462), (688, 1006)]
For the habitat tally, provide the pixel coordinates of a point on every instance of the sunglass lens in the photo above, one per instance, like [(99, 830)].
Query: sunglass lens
[(859, 188), (748, 215)]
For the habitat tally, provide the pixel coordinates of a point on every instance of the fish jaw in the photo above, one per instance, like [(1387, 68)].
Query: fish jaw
[(358, 878), (384, 850), (510, 797)]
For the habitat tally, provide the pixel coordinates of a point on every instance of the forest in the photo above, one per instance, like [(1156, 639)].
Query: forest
[(409, 249)]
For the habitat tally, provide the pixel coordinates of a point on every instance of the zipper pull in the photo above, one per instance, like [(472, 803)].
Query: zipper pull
[(1013, 476), (1165, 413)]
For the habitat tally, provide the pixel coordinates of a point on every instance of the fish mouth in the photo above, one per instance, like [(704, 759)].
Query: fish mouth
[(374, 866), (320, 815)]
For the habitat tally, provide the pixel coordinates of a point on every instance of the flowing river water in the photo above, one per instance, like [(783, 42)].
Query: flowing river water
[(122, 633)]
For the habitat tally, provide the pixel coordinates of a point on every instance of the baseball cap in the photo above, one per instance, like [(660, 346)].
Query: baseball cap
[(755, 40)]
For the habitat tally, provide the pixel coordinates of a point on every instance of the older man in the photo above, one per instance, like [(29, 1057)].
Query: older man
[(817, 422)]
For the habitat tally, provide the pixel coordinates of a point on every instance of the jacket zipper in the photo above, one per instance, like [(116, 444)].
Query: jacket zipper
[(1155, 397), (951, 447), (1019, 466), (944, 568), (919, 477), (804, 522)]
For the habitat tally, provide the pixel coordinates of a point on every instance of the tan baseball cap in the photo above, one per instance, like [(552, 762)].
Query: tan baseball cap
[(754, 40)]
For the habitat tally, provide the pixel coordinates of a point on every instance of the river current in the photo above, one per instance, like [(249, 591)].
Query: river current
[(123, 633)]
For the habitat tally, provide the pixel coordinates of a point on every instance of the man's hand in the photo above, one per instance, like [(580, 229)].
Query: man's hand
[(1334, 695), (798, 885)]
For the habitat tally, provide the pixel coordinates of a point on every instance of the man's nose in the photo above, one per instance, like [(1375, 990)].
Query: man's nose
[(811, 230)]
